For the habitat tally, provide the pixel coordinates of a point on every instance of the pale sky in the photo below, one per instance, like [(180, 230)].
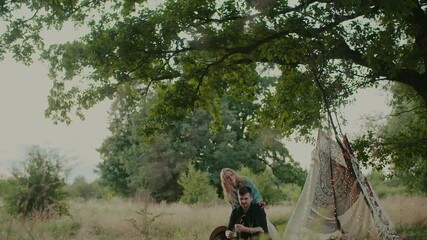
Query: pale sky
[(23, 99)]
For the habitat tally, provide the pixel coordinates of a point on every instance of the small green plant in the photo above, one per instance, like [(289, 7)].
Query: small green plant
[(196, 187), (144, 223), (37, 187)]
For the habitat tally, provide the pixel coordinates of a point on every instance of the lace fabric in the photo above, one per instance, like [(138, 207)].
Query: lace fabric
[(335, 202)]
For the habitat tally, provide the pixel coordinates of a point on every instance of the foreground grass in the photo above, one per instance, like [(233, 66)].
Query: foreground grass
[(409, 216), (121, 219)]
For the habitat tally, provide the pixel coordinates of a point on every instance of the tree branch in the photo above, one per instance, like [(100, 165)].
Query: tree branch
[(405, 111)]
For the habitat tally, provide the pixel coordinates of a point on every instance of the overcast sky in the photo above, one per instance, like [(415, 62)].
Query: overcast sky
[(23, 99)]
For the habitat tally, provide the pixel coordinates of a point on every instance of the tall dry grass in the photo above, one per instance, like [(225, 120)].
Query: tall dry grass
[(407, 211), (122, 219)]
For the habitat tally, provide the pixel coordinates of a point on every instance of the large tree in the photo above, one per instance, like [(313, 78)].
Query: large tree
[(194, 45)]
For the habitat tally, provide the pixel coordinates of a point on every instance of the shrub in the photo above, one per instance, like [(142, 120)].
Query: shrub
[(385, 187), (196, 187), (38, 185), (291, 191), (266, 184), (80, 189), (7, 186)]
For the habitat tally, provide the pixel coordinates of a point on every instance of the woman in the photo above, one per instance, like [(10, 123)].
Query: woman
[(231, 182)]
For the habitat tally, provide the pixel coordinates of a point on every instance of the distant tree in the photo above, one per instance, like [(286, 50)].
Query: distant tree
[(81, 188), (123, 146), (38, 187), (196, 186), (152, 158), (385, 186)]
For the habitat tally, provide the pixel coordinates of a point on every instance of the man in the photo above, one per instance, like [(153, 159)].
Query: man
[(249, 219)]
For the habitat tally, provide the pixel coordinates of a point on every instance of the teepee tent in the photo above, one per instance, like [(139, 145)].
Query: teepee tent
[(337, 201)]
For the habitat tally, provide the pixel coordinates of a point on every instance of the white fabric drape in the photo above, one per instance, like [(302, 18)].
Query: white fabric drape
[(332, 204)]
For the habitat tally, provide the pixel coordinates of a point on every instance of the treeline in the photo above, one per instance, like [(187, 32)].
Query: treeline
[(38, 186)]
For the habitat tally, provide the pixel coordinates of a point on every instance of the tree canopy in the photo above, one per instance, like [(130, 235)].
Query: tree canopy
[(189, 48)]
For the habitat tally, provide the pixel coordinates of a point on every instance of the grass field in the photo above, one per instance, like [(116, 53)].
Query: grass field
[(122, 219)]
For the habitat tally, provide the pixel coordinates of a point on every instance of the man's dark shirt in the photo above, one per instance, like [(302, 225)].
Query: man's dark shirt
[(254, 217)]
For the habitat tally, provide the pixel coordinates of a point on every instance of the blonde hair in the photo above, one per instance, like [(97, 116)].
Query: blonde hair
[(227, 188)]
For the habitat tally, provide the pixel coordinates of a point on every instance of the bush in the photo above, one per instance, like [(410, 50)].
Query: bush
[(7, 186), (385, 187), (80, 188), (38, 186), (266, 184), (196, 187), (291, 191)]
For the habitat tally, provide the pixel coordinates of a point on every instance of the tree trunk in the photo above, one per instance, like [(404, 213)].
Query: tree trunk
[(415, 80)]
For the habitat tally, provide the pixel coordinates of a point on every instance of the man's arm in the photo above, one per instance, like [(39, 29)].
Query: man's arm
[(233, 220), (250, 230)]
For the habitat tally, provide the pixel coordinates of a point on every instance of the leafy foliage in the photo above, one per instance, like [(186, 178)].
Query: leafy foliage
[(133, 163), (387, 187), (38, 186), (292, 192), (151, 159), (196, 187), (80, 188), (401, 141), (7, 186), (188, 50)]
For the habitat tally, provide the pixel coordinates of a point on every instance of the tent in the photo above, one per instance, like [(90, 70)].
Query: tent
[(337, 201)]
